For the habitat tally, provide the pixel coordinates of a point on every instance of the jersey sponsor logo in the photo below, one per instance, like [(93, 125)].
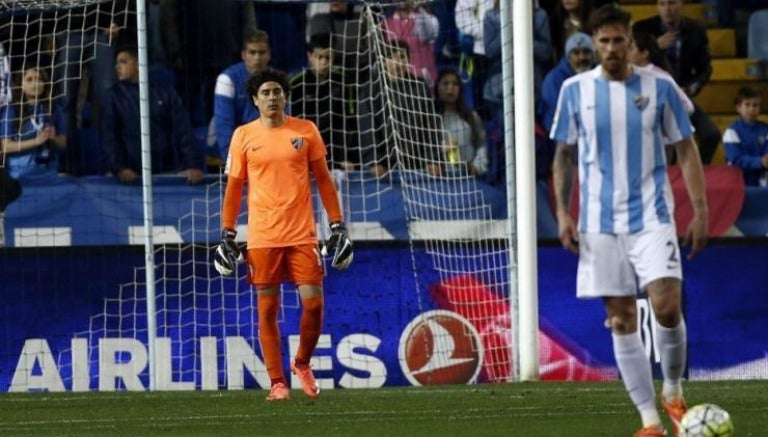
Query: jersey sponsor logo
[(440, 347), (255, 148), (297, 143), (641, 102)]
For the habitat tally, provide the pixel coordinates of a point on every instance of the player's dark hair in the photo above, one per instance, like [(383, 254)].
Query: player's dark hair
[(320, 41), (747, 92), (645, 41), (609, 14), (253, 35), (269, 75)]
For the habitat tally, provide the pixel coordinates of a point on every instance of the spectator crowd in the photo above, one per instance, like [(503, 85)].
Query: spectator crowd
[(445, 56)]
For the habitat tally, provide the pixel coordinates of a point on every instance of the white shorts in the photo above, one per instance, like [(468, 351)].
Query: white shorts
[(614, 265)]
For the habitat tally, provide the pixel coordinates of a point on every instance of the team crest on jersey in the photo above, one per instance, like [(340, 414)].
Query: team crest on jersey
[(297, 143), (641, 102)]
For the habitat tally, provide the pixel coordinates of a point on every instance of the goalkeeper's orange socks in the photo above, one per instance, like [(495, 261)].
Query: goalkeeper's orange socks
[(309, 328), (269, 336)]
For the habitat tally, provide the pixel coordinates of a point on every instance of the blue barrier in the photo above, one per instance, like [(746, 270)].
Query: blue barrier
[(97, 210)]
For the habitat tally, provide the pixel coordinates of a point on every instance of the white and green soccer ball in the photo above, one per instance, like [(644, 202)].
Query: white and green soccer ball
[(706, 420)]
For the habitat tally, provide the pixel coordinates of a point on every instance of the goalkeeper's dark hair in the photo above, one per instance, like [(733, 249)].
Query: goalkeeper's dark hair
[(269, 75), (607, 15)]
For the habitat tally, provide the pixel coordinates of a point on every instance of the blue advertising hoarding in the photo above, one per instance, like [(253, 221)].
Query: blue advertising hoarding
[(68, 314)]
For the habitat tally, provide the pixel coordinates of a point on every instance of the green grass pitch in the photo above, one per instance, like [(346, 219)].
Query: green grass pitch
[(516, 409)]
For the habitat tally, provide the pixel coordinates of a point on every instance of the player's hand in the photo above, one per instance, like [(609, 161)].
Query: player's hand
[(569, 237), (696, 235), (227, 253), (340, 246)]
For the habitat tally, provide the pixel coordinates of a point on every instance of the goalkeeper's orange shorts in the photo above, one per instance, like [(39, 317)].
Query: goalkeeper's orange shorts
[(300, 265)]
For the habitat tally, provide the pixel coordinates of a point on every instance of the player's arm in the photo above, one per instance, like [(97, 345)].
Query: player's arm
[(339, 243), (228, 253), (693, 173), (327, 189), (562, 179)]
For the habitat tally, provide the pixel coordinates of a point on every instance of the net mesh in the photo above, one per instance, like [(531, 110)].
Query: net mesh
[(202, 317), (402, 174), (50, 54)]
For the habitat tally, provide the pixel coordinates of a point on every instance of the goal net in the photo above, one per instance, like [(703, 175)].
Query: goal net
[(51, 53), (405, 173)]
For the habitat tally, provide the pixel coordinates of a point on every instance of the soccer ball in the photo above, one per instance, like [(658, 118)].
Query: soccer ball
[(706, 420)]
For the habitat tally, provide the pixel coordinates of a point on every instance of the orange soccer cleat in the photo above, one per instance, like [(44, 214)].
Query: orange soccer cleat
[(279, 392), (675, 409), (307, 379), (651, 431)]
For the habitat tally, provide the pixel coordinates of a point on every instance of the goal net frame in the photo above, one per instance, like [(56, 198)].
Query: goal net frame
[(519, 228)]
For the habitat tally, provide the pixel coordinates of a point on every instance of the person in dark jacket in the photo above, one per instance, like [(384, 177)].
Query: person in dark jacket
[(320, 93), (397, 124), (173, 148), (579, 57), (685, 43)]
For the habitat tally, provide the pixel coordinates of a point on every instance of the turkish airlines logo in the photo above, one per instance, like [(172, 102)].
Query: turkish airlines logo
[(440, 347)]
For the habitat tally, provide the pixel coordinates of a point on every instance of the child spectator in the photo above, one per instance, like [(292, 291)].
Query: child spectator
[(173, 148), (31, 129), (464, 138), (745, 139)]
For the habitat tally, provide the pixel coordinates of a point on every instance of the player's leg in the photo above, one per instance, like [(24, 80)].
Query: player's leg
[(266, 273), (656, 256), (306, 270), (605, 271)]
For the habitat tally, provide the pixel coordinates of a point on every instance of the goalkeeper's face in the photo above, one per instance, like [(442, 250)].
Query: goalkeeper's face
[(270, 100)]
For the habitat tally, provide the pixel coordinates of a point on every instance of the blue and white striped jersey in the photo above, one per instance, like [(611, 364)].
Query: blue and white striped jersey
[(618, 127)]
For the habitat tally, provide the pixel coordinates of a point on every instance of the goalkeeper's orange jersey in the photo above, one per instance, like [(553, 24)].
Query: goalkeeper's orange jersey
[(275, 162)]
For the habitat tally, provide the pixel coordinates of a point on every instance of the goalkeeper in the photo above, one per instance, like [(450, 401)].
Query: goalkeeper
[(275, 154)]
